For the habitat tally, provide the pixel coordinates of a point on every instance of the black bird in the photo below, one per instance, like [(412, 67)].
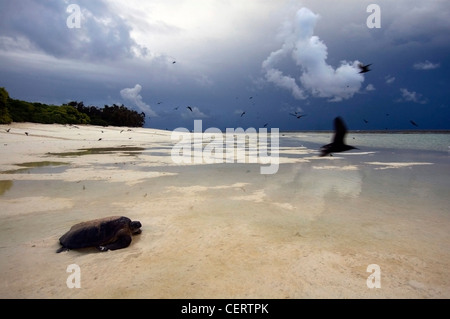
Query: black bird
[(190, 108), (251, 97), (26, 133), (364, 68), (338, 144), (174, 62), (413, 123), (297, 115), (265, 125), (7, 131), (366, 121), (242, 114)]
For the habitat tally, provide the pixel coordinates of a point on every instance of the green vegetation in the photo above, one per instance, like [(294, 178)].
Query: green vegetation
[(12, 110), (116, 115), (5, 118)]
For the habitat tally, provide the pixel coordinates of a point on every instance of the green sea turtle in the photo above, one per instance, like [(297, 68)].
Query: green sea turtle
[(109, 233)]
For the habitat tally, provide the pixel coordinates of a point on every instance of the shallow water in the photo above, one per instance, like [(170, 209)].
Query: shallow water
[(126, 150), (227, 231), (398, 141)]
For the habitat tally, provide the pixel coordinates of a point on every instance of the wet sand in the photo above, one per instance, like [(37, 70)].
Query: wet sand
[(220, 230)]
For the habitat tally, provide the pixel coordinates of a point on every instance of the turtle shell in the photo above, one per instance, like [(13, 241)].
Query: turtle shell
[(95, 232)]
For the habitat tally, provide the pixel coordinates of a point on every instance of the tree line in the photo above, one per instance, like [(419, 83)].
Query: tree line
[(12, 110)]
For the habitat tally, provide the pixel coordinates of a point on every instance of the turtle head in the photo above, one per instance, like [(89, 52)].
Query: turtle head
[(135, 227)]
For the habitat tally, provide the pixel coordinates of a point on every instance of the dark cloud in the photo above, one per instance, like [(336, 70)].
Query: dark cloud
[(42, 25)]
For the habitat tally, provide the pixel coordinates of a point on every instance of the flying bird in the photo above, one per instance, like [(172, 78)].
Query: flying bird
[(265, 125), (413, 123), (364, 68), (190, 108), (26, 133), (297, 115), (7, 131), (174, 62), (366, 121), (242, 114), (337, 145)]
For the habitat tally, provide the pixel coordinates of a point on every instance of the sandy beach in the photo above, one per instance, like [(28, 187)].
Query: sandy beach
[(220, 230)]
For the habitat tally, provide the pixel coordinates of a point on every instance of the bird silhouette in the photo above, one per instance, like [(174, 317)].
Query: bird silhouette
[(337, 145), (174, 62), (366, 121), (413, 123), (190, 108), (242, 114), (364, 68), (297, 115), (7, 131), (26, 133)]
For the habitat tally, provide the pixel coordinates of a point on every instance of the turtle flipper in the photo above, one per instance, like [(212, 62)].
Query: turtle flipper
[(121, 242), (61, 249)]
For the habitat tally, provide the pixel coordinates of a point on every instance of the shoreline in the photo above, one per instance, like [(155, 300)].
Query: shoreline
[(375, 131), (425, 131)]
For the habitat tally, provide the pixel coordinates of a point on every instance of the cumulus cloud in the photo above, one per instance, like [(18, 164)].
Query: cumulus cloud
[(196, 113), (132, 95), (309, 53), (389, 79), (427, 65), (408, 96)]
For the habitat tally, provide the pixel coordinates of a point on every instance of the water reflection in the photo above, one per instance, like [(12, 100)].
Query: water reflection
[(42, 167), (5, 186), (310, 186), (127, 150)]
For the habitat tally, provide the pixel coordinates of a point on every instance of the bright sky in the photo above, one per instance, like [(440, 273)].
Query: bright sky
[(268, 58)]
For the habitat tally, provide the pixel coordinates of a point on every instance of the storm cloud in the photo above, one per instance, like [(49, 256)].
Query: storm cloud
[(289, 55), (42, 26)]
